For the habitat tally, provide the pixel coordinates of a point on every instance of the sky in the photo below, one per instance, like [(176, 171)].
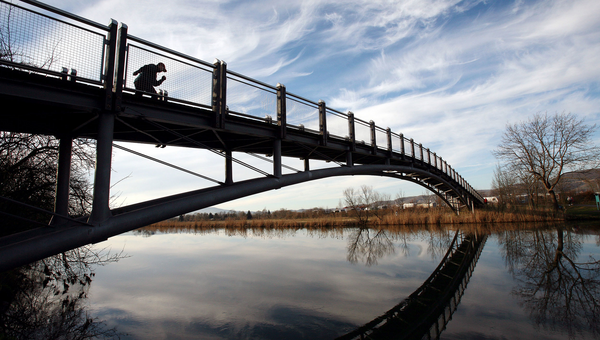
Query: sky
[(450, 74)]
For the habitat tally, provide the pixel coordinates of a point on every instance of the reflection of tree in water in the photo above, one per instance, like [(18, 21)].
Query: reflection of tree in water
[(557, 290), (46, 299), (368, 245)]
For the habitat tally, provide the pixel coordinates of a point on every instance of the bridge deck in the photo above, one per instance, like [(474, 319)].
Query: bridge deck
[(45, 105)]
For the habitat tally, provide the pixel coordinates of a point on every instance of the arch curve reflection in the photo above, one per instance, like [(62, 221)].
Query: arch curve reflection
[(425, 313)]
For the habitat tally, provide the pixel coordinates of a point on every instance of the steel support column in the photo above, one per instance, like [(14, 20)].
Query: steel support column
[(349, 161), (277, 158), (100, 208), (63, 177), (228, 167)]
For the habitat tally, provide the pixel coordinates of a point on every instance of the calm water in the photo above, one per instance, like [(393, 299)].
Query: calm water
[(303, 284)]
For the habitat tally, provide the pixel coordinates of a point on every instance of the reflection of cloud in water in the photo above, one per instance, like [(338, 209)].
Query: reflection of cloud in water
[(281, 322), (229, 280)]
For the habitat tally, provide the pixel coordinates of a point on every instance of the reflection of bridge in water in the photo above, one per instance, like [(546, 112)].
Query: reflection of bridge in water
[(427, 311), (71, 78)]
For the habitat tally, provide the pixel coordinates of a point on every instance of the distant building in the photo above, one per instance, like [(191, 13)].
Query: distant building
[(491, 199)]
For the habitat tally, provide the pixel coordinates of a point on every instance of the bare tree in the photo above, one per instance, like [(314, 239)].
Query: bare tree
[(362, 203), (28, 165), (546, 147)]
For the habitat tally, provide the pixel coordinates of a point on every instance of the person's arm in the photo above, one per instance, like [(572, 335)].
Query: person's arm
[(160, 81)]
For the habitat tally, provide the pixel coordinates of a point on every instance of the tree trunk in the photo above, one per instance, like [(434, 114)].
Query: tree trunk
[(554, 200)]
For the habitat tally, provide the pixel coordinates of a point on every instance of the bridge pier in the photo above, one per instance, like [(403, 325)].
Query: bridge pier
[(100, 207), (349, 159), (228, 167), (63, 177)]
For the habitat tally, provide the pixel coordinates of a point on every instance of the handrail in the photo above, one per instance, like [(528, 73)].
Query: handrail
[(239, 75), (61, 12), (168, 50)]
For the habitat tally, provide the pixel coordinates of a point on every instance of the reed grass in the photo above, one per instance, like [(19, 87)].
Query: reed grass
[(436, 218)]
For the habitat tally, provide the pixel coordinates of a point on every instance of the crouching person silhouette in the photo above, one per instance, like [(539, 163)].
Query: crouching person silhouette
[(146, 78)]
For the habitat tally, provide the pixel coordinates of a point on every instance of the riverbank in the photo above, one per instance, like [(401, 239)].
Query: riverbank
[(414, 217)]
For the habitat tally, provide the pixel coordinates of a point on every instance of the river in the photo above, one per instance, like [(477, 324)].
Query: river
[(192, 283)]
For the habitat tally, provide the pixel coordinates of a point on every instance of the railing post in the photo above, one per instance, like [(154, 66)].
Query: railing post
[(306, 164), (421, 153), (219, 96), (373, 137), (100, 207), (63, 176), (277, 158), (228, 167), (109, 62), (388, 133), (428, 157), (412, 150), (323, 122), (435, 160), (351, 131), (281, 110), (402, 151), (121, 62)]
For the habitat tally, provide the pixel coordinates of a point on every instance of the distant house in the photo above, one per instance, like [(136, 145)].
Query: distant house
[(491, 199)]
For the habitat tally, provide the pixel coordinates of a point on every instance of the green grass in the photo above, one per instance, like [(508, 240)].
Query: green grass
[(581, 212)]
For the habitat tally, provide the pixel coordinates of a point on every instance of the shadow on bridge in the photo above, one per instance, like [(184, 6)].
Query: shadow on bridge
[(208, 107)]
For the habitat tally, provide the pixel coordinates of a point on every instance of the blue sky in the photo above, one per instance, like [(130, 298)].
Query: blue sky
[(450, 74)]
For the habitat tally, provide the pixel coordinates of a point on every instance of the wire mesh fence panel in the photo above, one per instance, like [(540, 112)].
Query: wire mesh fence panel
[(362, 130), (185, 80), (381, 138), (36, 41), (397, 143), (408, 147), (251, 99), (337, 124), (301, 113)]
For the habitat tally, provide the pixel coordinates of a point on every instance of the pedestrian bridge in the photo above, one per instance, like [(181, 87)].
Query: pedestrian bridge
[(69, 77)]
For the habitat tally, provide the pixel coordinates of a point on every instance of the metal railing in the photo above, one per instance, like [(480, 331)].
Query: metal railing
[(75, 48), (39, 43), (189, 79)]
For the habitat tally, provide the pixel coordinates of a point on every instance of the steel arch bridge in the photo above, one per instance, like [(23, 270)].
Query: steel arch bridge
[(209, 107)]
